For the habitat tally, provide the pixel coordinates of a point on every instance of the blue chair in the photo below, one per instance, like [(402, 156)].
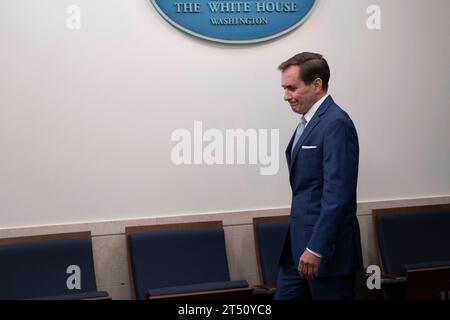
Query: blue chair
[(55, 267), (270, 234), (181, 261), (413, 243)]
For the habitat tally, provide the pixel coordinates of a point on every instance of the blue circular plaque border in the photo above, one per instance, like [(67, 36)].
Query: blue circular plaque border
[(250, 41)]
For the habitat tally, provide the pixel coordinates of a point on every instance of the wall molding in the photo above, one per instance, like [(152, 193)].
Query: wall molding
[(229, 218)]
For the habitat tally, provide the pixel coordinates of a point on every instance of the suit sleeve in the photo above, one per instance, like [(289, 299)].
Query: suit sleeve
[(340, 174)]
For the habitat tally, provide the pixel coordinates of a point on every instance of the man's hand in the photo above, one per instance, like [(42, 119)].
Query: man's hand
[(308, 266)]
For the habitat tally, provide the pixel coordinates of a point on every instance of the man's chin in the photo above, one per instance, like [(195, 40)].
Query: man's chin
[(297, 109)]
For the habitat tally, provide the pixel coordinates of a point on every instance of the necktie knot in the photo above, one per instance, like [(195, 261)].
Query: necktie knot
[(303, 121)]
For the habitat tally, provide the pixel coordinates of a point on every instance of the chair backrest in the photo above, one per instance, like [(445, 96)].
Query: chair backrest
[(270, 233), (411, 235), (176, 255), (42, 266)]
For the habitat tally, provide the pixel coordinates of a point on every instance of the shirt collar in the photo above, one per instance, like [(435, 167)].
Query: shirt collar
[(308, 116)]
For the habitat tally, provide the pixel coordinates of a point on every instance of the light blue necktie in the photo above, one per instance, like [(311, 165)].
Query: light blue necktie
[(298, 133)]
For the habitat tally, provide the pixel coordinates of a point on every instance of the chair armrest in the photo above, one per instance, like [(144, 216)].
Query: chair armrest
[(392, 280), (262, 289)]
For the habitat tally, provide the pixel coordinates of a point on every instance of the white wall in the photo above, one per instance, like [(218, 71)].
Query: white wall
[(86, 116)]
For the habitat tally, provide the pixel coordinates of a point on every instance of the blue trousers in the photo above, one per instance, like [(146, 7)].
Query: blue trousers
[(290, 286)]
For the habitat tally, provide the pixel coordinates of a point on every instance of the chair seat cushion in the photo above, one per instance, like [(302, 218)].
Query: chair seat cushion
[(426, 265), (75, 296), (207, 286)]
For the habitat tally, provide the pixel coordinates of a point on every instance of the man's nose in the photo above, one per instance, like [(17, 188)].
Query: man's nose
[(287, 96)]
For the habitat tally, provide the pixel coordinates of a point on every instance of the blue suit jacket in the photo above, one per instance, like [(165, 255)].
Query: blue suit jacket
[(323, 182)]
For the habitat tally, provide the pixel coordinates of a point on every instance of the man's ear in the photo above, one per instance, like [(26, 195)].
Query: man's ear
[(317, 85)]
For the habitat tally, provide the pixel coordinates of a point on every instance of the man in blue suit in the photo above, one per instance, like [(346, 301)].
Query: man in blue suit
[(322, 250)]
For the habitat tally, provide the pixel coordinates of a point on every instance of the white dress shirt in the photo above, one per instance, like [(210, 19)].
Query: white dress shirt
[(308, 116)]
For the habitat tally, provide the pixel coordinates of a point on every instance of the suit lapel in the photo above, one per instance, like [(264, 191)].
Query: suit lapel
[(289, 150), (309, 128)]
